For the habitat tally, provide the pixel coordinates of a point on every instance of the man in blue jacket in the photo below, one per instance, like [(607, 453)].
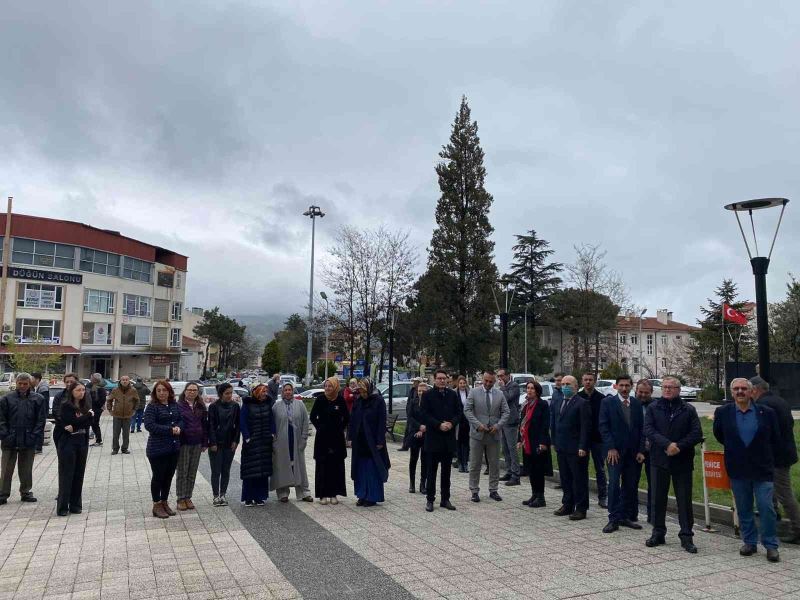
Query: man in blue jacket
[(673, 428), (621, 427), (749, 433)]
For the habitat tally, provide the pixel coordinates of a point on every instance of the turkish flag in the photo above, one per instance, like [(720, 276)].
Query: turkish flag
[(733, 315)]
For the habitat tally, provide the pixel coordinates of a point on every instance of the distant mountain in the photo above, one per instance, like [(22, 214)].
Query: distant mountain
[(262, 327)]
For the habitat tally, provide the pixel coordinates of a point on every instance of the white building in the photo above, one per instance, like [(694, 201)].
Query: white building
[(108, 303)]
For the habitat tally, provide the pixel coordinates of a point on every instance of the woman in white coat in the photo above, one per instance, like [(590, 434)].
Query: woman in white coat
[(288, 450)]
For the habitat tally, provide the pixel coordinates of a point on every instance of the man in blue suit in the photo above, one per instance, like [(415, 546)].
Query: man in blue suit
[(621, 427), (571, 424)]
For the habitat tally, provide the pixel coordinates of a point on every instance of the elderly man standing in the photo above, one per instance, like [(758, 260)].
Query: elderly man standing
[(22, 418), (673, 428), (487, 413), (571, 426), (785, 455), (644, 394), (749, 433), (122, 403), (510, 433)]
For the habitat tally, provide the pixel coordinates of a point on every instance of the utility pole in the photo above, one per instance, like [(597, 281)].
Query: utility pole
[(6, 262), (313, 212), (324, 296)]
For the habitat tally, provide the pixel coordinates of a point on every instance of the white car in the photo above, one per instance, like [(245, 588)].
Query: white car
[(547, 392), (522, 378), (606, 386), (400, 391)]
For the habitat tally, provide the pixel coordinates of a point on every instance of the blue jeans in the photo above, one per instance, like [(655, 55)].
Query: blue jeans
[(743, 492), (136, 420)]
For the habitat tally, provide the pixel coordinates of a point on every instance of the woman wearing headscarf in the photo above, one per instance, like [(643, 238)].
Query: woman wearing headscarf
[(288, 454), (534, 439), (462, 389), (194, 441), (417, 438), (370, 464), (257, 427), (350, 393), (330, 417)]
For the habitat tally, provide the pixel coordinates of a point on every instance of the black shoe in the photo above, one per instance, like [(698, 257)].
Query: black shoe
[(448, 505), (368, 503), (62, 513), (475, 498), (513, 481), (748, 550), (4, 501), (792, 539), (689, 547), (529, 501), (578, 515), (495, 496), (76, 512), (96, 444), (429, 506), (423, 489), (28, 498), (138, 431), (412, 489), (126, 451), (772, 555), (630, 524), (486, 472), (538, 502), (562, 512), (113, 452), (602, 503), (506, 477), (249, 503), (654, 541), (610, 527), (360, 502)]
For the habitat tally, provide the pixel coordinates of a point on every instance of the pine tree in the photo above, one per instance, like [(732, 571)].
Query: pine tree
[(461, 251), (535, 279)]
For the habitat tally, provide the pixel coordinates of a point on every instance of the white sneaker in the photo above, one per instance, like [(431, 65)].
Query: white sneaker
[(223, 501), (323, 501), (334, 500), (216, 501)]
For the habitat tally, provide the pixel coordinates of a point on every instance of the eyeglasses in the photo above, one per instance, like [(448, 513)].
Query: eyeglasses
[(670, 387)]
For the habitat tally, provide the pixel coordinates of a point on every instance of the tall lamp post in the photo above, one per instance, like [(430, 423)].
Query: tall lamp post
[(503, 312), (324, 296), (392, 317), (641, 364), (313, 212), (760, 265)]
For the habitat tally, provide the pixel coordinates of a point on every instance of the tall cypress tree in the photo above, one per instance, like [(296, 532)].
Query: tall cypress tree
[(461, 251)]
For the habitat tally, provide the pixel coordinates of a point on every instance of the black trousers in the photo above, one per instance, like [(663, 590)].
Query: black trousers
[(682, 484), (434, 460), (414, 456), (635, 515), (599, 460), (535, 470), (463, 454), (163, 468), (220, 462), (574, 473), (72, 453), (98, 433)]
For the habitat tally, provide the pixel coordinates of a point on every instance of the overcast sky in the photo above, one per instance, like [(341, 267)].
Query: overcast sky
[(209, 127)]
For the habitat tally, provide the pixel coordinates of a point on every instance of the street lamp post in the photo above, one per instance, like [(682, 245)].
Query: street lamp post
[(641, 364), (760, 265), (313, 212), (503, 312), (324, 296), (392, 316)]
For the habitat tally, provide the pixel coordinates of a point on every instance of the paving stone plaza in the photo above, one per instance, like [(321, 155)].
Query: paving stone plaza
[(116, 550)]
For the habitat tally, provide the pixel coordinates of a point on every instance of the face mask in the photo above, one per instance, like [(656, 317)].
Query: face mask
[(567, 391)]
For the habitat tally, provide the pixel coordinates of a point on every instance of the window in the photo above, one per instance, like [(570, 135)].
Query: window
[(161, 310), (677, 337), (178, 274), (133, 268), (622, 339), (96, 333), (39, 295), (634, 339), (135, 335), (160, 337), (177, 311), (136, 306), (663, 339), (175, 338), (663, 363), (96, 261), (98, 301), (623, 363), (43, 254), (635, 365), (28, 331), (650, 344)]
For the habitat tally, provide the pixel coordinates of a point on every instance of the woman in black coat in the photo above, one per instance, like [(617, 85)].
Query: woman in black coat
[(258, 432), (416, 431), (330, 417), (534, 439), (73, 447), (462, 389), (370, 463)]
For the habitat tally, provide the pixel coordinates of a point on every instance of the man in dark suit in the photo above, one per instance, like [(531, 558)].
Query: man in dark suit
[(440, 412), (510, 431), (785, 456), (644, 394), (673, 428), (595, 398), (571, 422), (622, 429)]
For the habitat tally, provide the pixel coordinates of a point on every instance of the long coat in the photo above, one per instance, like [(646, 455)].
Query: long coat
[(330, 421), (439, 406), (257, 426), (283, 475), (539, 434), (413, 421), (370, 415)]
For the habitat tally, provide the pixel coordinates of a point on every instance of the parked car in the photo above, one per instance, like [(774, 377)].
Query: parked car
[(240, 394), (400, 391), (7, 382), (656, 387), (309, 393), (522, 378), (177, 386), (209, 394), (547, 392), (606, 386), (689, 393)]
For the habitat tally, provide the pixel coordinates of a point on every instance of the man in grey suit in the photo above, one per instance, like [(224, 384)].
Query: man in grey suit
[(510, 431), (487, 413)]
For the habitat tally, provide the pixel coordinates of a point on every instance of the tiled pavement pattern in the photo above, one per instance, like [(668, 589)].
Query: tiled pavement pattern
[(489, 550)]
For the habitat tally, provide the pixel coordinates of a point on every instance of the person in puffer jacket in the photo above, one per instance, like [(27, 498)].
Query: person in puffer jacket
[(163, 421)]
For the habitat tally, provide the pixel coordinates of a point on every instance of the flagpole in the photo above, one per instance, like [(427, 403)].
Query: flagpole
[(724, 358)]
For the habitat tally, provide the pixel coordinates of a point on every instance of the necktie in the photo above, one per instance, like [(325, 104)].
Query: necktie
[(564, 404), (626, 403), (488, 403)]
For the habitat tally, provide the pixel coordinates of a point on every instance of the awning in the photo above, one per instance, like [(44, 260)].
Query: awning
[(37, 349), (100, 352)]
